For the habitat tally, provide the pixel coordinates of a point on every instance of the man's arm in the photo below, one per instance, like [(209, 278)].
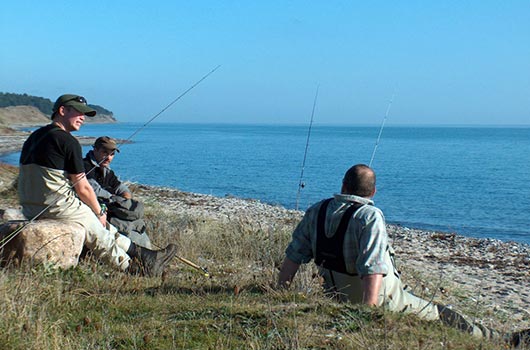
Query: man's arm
[(86, 194), (123, 191), (287, 272), (370, 263), (117, 187), (98, 190), (371, 284)]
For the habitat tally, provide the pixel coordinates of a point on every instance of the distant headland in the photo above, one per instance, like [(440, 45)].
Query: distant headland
[(19, 111)]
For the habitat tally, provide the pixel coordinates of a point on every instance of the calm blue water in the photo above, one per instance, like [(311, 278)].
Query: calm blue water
[(473, 181)]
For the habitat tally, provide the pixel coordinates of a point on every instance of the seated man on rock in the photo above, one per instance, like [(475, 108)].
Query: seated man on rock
[(347, 238), (52, 185), (124, 212)]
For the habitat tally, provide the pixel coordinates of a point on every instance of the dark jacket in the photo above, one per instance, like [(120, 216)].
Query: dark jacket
[(103, 180)]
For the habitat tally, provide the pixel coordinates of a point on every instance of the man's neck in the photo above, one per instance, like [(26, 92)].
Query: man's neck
[(60, 125), (94, 160)]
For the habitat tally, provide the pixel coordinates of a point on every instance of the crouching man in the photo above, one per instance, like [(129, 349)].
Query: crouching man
[(123, 212)]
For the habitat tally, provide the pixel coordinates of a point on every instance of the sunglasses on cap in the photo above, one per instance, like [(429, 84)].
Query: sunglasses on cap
[(79, 99)]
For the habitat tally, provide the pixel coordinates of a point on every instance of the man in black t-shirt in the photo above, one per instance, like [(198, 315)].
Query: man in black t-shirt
[(52, 184)]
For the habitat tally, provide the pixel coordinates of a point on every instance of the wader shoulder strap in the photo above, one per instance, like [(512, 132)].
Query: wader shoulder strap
[(330, 250)]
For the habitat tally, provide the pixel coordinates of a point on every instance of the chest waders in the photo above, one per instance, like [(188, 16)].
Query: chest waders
[(330, 250)]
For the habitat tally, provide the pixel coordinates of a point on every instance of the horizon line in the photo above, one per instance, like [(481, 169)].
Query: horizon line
[(452, 125)]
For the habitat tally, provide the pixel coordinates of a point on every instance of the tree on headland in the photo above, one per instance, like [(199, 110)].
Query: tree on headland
[(45, 105)]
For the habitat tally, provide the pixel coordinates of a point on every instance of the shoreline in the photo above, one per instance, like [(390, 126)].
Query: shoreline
[(13, 142)]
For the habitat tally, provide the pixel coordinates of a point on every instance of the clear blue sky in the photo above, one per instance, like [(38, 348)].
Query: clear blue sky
[(449, 62)]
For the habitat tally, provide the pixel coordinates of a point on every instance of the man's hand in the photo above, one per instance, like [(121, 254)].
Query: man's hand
[(287, 272), (86, 193), (118, 198), (103, 219)]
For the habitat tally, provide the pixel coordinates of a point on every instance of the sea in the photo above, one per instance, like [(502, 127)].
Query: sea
[(473, 181)]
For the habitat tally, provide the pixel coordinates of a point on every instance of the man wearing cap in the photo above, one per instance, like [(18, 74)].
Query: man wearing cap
[(52, 184), (99, 174), (124, 212)]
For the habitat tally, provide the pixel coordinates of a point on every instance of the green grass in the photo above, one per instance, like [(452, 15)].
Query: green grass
[(94, 307)]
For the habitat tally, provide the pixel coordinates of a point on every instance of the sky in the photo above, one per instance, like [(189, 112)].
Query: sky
[(444, 62)]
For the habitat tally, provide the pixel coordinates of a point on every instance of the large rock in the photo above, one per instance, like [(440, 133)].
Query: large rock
[(53, 242), (11, 214)]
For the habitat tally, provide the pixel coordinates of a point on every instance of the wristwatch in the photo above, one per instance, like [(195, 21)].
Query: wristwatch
[(103, 210)]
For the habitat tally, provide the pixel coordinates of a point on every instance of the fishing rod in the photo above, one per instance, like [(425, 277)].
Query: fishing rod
[(300, 183), (195, 266), (4, 241), (381, 129), (170, 104), (203, 270)]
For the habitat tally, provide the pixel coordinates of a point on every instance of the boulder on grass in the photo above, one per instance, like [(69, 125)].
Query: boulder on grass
[(54, 242), (10, 214)]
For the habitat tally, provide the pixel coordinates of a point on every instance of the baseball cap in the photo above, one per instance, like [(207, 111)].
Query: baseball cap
[(107, 143), (77, 102)]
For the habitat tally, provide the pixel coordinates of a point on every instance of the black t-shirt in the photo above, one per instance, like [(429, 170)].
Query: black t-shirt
[(52, 147)]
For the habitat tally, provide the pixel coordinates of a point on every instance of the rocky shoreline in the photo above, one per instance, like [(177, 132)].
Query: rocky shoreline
[(13, 143), (12, 140), (490, 274)]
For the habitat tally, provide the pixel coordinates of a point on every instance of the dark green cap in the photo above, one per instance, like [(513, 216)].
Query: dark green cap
[(77, 102), (107, 143)]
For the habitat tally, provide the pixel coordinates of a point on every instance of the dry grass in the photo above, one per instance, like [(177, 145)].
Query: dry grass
[(93, 307), (8, 179)]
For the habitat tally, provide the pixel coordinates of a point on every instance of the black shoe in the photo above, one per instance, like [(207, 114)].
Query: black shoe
[(154, 262), (521, 338)]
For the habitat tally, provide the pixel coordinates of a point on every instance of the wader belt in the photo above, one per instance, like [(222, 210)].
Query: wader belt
[(330, 250)]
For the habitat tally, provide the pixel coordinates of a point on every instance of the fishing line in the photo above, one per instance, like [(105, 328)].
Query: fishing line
[(169, 105), (4, 241), (381, 129), (300, 183)]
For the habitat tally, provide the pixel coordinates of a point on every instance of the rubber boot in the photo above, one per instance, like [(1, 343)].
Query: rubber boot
[(151, 262), (521, 339)]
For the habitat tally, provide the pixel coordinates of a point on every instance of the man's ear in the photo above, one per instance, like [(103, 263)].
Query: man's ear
[(373, 193), (61, 111)]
